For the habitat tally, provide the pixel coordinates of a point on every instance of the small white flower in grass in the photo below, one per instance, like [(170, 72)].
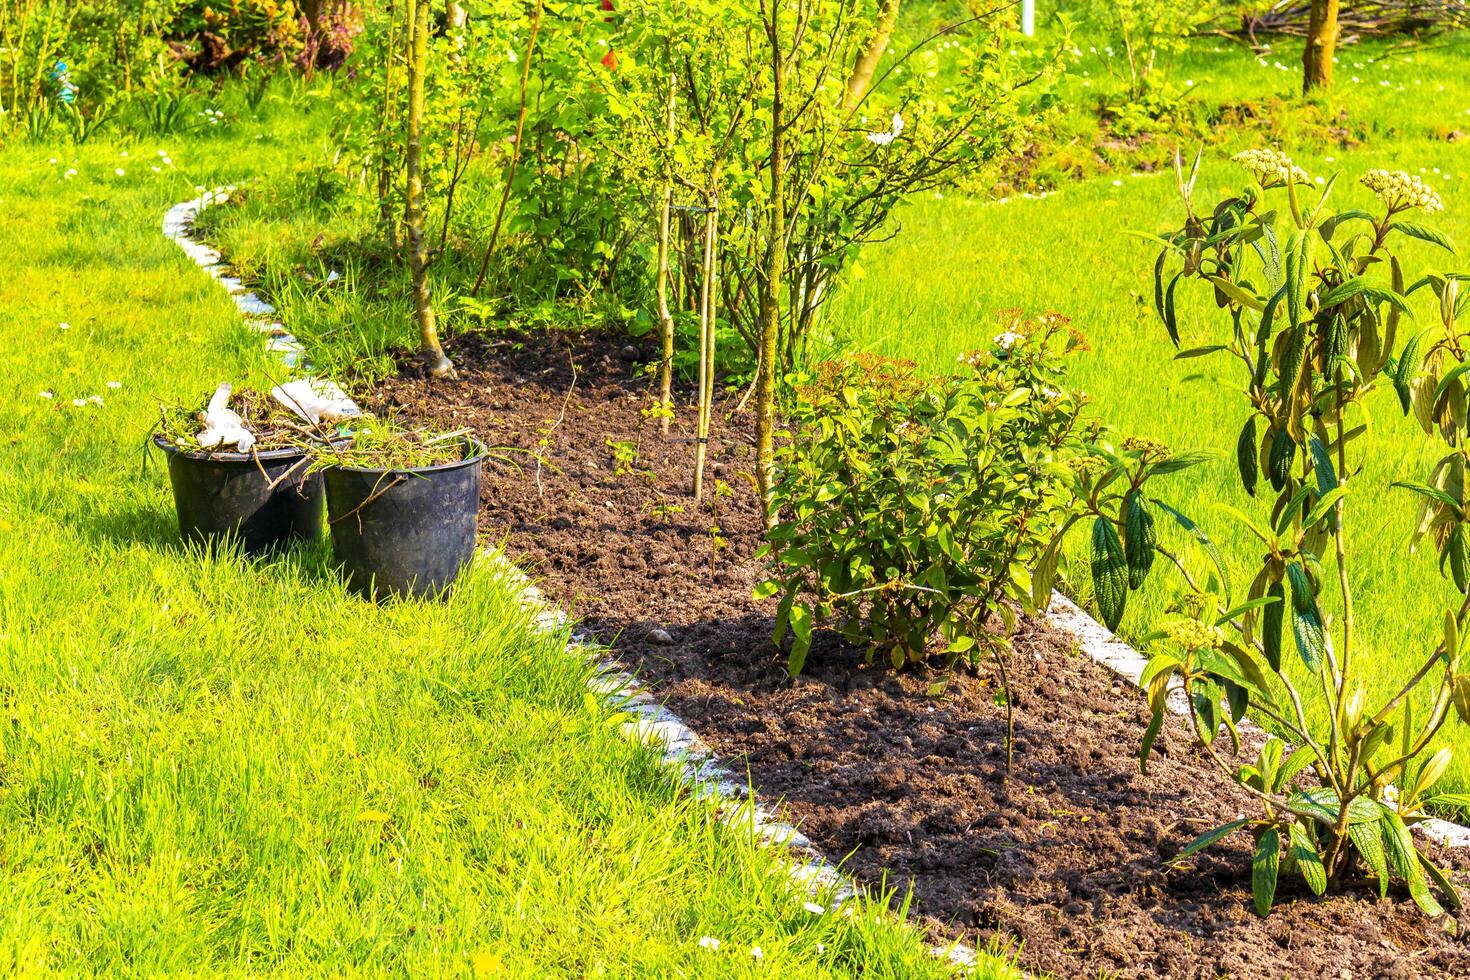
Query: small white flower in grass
[(756, 954), (114, 385), (95, 399), (821, 947), (120, 171), (163, 153), (709, 942), (1117, 183), (69, 174), (45, 394), (1319, 180), (52, 160), (123, 153), (63, 326), (157, 169), (79, 402), (814, 908)]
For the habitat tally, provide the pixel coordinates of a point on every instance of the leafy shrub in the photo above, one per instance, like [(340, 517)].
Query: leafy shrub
[(1145, 37), (910, 507)]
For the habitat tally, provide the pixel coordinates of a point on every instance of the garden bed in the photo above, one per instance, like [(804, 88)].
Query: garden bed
[(1064, 854)]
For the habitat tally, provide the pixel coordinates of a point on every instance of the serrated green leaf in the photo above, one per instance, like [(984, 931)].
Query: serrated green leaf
[(1247, 456), (1207, 838), (1271, 621), (1264, 866), (1424, 233), (1109, 572), (1308, 861), (1367, 840), (1306, 619), (1139, 538)]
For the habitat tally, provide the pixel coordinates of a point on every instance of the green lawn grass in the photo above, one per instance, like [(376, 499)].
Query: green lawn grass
[(214, 764), (928, 295)]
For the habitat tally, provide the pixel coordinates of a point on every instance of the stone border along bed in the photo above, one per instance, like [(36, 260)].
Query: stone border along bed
[(654, 725)]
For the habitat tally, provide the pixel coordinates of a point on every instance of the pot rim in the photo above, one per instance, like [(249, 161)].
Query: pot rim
[(203, 455), (478, 448)]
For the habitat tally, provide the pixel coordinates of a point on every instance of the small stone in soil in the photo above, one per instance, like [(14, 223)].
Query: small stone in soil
[(660, 637), (629, 353)]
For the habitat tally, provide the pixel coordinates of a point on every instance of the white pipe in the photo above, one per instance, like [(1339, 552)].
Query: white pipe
[(1028, 17)]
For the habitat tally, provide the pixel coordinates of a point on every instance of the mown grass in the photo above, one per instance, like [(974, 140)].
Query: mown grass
[(210, 764), (928, 295)]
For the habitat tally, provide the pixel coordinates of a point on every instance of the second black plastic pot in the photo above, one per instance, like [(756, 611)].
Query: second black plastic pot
[(263, 499), (404, 532)]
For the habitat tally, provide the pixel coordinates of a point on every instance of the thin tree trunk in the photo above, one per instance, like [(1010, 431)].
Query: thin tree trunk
[(772, 273), (866, 64), (515, 151), (430, 350), (387, 162), (665, 316), (1321, 45)]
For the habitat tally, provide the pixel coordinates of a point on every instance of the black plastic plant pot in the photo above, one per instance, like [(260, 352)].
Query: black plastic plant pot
[(265, 500), (405, 532)]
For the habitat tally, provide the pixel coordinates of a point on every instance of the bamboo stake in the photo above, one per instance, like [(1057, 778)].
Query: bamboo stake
[(706, 342), (665, 316)]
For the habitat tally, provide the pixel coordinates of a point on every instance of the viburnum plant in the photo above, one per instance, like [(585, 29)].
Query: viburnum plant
[(1316, 300)]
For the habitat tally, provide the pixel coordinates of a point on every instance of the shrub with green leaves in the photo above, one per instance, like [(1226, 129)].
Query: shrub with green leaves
[(911, 507), (1313, 302)]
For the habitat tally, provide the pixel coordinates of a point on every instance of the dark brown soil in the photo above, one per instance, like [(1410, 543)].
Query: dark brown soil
[(1063, 855)]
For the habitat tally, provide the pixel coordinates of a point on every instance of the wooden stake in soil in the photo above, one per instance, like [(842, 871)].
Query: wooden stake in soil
[(707, 292), (431, 351), (661, 286)]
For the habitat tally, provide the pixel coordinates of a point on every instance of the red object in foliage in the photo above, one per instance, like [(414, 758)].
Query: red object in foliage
[(609, 60)]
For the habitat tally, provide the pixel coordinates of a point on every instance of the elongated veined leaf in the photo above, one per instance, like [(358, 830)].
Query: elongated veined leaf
[(1407, 367), (1367, 839), (1398, 844), (1308, 861), (1171, 318), (1306, 619), (1204, 540), (1271, 620), (1237, 294), (1139, 538), (1322, 466), (1343, 292), (1264, 866), (1207, 838), (1150, 734), (1442, 882), (1278, 465), (1109, 572), (1291, 362), (1299, 759), (1325, 505), (1044, 575), (1246, 456), (1425, 234)]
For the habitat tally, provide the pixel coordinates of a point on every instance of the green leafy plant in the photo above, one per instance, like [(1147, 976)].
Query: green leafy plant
[(910, 508), (1315, 300)]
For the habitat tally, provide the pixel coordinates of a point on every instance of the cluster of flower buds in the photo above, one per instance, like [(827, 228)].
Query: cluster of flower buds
[(1271, 167), (1401, 191), (1194, 635)]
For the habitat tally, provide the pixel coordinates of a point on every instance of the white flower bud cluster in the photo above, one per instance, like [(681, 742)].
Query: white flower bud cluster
[(1401, 191), (1271, 167)]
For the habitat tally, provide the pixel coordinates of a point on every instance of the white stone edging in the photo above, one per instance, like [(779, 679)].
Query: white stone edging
[(652, 724)]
